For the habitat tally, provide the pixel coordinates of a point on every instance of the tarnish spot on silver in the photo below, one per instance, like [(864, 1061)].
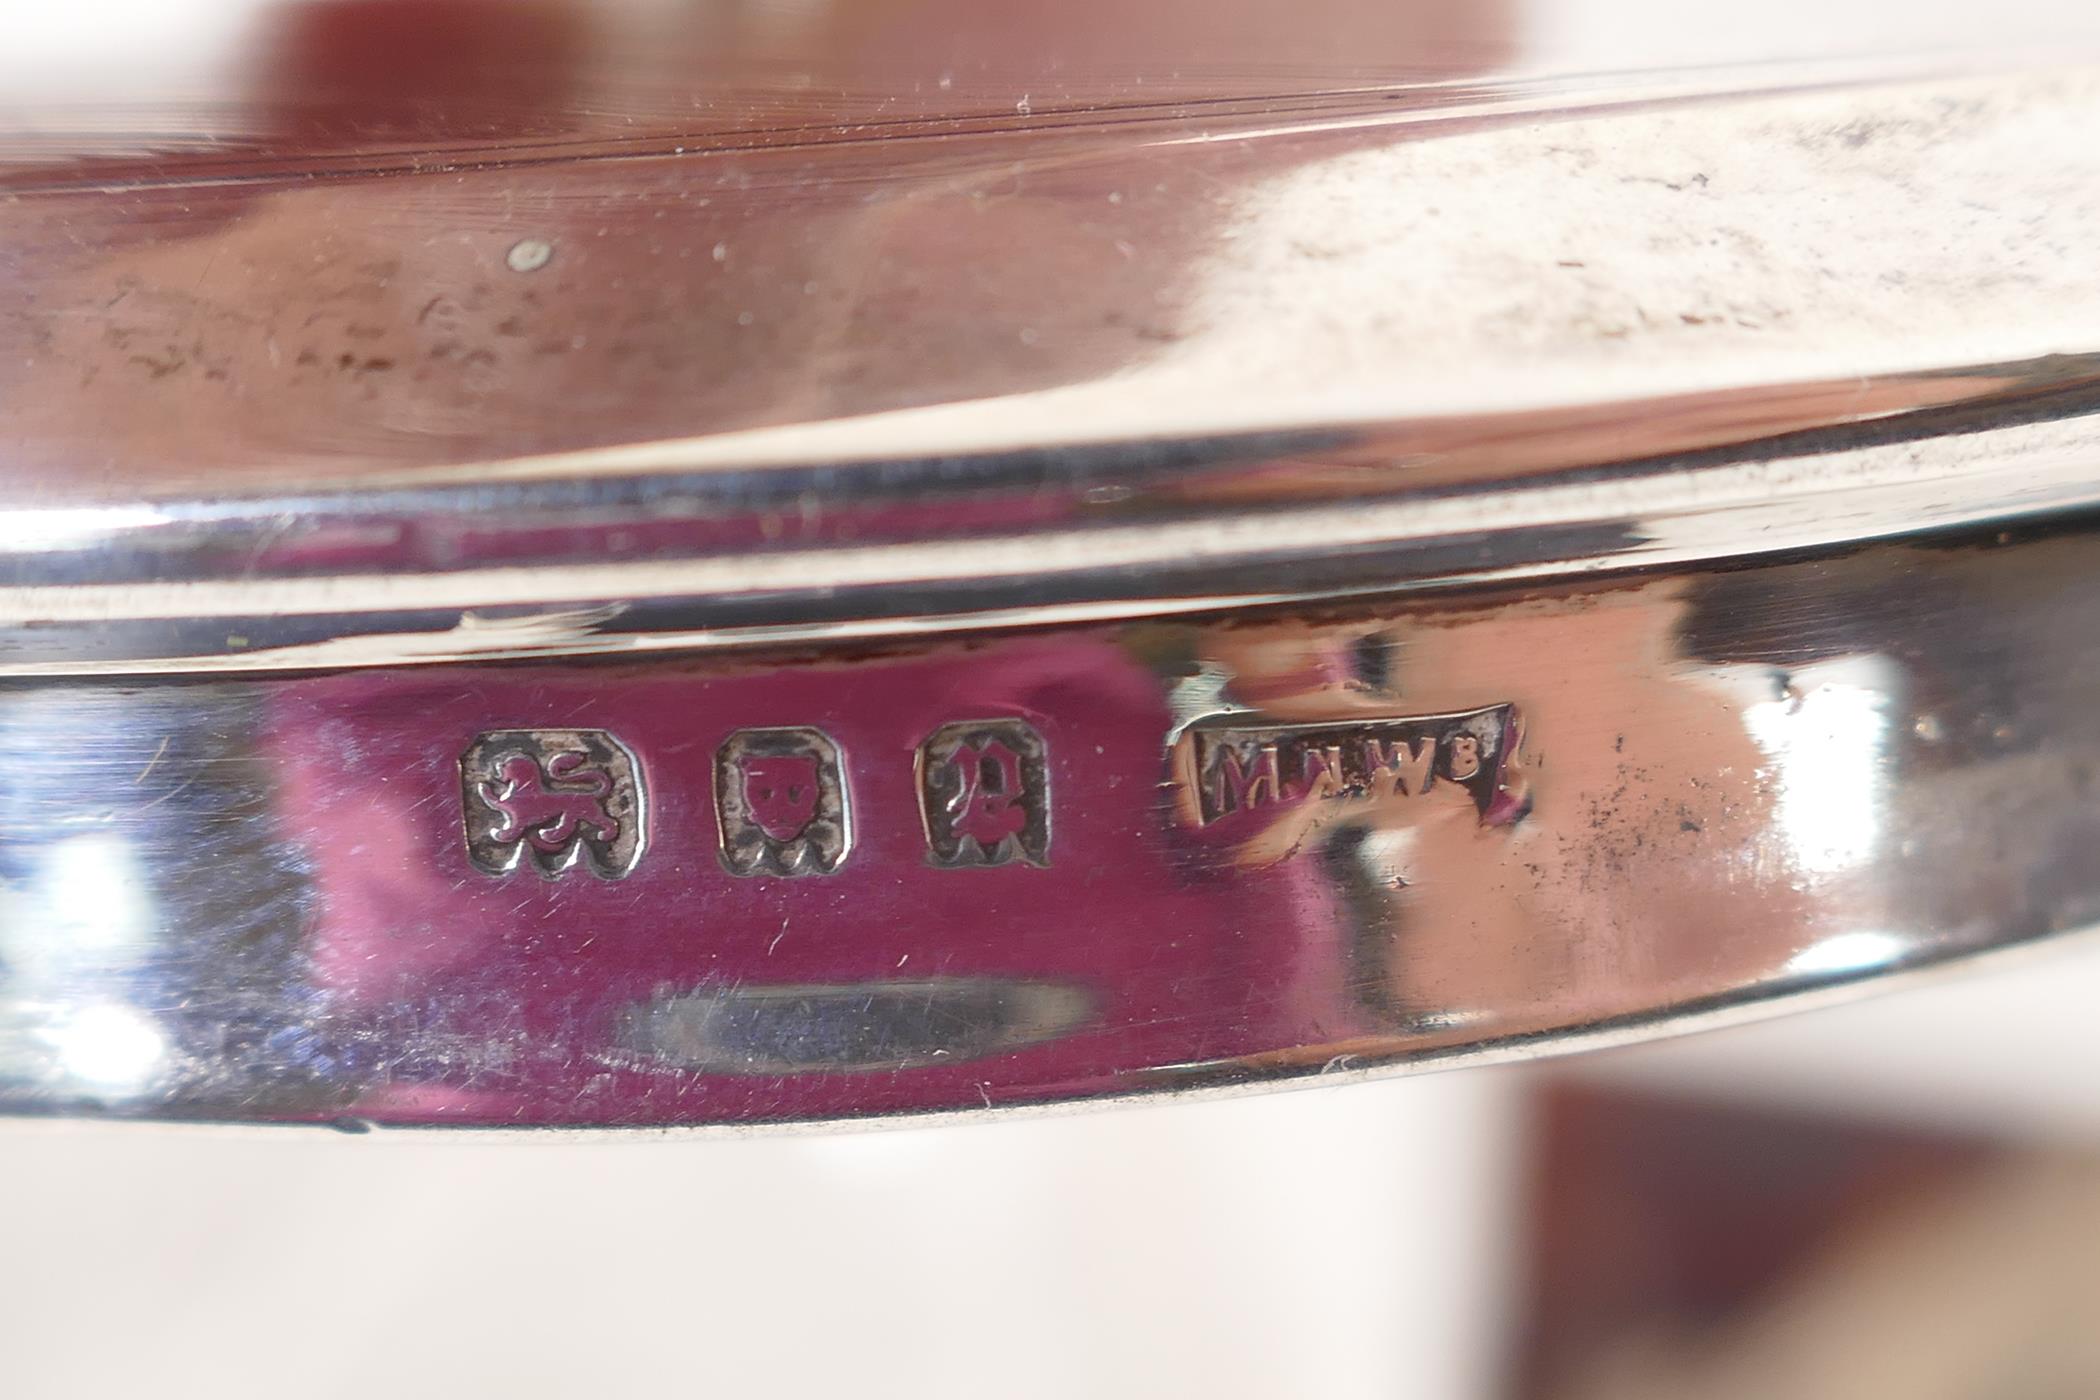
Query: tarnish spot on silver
[(529, 255)]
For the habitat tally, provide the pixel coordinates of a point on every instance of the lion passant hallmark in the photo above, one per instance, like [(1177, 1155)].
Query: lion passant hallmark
[(1240, 762), (552, 800)]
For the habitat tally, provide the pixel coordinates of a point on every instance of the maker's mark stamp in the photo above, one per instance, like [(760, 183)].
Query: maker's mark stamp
[(781, 803), (984, 794), (1236, 763), (552, 800)]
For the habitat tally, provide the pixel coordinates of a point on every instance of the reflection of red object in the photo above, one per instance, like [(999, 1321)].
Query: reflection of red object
[(351, 72), (987, 797), (507, 1001), (781, 791), (1662, 1219)]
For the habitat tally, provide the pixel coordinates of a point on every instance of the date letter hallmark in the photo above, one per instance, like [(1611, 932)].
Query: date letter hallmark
[(552, 800), (781, 803), (984, 794), (1231, 764)]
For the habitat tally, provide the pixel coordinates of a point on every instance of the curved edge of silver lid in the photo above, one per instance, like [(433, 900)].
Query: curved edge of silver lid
[(1407, 352), (1118, 531)]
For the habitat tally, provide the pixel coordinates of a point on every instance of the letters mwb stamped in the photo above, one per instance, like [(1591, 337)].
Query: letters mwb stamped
[(553, 800), (1236, 763)]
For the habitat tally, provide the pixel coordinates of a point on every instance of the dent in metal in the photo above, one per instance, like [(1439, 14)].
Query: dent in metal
[(857, 1028)]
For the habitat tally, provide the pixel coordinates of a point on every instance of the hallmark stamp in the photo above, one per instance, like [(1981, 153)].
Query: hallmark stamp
[(1233, 763), (781, 803), (984, 794), (552, 800)]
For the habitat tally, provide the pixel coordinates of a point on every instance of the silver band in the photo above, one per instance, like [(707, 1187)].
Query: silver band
[(1064, 863), (592, 654)]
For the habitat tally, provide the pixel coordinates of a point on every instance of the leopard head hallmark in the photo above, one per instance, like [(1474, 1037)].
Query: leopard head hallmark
[(781, 803), (552, 800), (984, 794)]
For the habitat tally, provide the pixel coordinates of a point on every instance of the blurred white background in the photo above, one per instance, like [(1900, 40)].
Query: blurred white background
[(1360, 1240)]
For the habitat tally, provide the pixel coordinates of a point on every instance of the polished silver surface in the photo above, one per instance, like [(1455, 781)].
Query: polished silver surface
[(1468, 310), (1283, 844), (612, 565)]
